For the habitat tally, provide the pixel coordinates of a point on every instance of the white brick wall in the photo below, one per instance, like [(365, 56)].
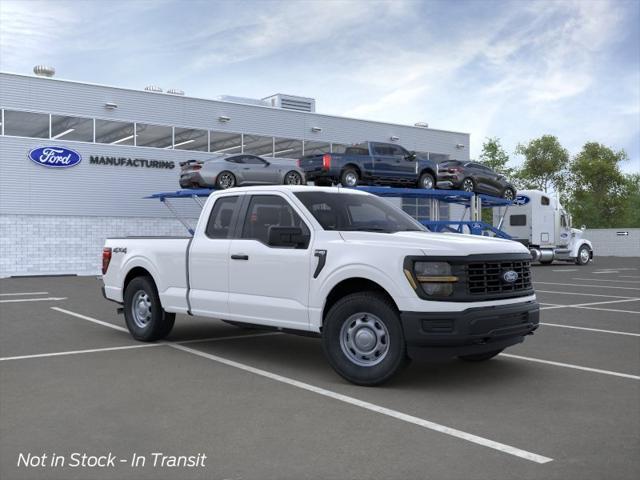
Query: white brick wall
[(45, 245)]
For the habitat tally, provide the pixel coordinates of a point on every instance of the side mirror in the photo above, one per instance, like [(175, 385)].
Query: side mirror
[(412, 156), (291, 237), (583, 227)]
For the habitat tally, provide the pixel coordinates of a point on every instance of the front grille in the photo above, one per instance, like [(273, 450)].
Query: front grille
[(485, 278)]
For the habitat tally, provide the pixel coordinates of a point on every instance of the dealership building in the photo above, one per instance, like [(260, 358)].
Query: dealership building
[(127, 144)]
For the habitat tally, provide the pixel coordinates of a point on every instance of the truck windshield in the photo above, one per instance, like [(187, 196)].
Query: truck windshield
[(353, 212)]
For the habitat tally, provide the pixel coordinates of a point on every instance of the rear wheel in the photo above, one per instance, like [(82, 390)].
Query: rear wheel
[(363, 340), (293, 178), (584, 255), (468, 185), (225, 180), (143, 313), (349, 178), (426, 181), (480, 357)]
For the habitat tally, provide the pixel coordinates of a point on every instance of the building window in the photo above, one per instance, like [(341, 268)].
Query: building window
[(287, 148), (157, 136), (191, 139), (115, 133), (258, 145), (316, 148), (26, 124), (71, 128), (226, 143)]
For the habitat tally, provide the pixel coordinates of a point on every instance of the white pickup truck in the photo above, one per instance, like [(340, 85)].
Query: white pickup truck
[(344, 265)]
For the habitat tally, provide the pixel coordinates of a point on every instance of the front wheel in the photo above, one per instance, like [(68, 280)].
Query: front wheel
[(426, 181), (143, 313), (293, 178), (480, 357), (584, 255), (508, 194), (363, 340)]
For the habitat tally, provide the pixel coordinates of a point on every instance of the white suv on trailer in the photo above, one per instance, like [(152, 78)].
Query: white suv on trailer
[(347, 266)]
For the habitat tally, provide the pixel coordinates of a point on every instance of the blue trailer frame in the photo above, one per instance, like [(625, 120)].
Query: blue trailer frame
[(459, 197)]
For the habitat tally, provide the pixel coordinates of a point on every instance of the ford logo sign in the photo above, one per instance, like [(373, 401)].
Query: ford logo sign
[(521, 200), (55, 157), (510, 276)]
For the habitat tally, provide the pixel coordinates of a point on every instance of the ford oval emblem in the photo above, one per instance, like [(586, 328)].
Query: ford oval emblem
[(55, 157), (521, 200), (510, 276)]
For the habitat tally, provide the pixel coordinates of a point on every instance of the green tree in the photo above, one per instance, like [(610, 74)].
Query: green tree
[(495, 157), (630, 216), (598, 191), (545, 164)]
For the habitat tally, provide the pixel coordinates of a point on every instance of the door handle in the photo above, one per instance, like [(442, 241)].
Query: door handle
[(239, 257)]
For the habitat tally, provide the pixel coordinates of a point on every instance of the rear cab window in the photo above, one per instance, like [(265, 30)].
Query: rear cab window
[(222, 218)]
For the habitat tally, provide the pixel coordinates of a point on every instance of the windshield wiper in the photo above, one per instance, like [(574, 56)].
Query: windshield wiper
[(366, 229)]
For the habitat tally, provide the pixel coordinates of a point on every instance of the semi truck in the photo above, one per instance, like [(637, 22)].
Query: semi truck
[(538, 221), (346, 266)]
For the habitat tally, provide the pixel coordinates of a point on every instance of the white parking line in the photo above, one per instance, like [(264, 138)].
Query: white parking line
[(629, 276), (580, 285), (569, 365), (611, 310), (606, 280), (605, 272), (567, 270), (44, 299), (89, 319), (372, 407), (598, 330), (23, 293), (581, 294), (76, 352)]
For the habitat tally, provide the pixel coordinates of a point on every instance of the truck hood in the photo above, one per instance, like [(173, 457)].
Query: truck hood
[(447, 244)]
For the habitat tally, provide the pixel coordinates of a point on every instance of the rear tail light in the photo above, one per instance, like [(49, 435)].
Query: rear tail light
[(196, 167), (298, 162), (326, 161), (106, 258), (455, 170)]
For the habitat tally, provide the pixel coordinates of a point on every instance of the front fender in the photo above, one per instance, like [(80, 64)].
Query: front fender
[(579, 243)]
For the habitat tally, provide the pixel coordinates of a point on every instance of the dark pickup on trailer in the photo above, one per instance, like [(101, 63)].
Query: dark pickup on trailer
[(371, 162)]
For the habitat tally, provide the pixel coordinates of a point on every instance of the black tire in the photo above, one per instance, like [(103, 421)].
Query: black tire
[(468, 185), (372, 311), (349, 177), (427, 181), (509, 194), (292, 178), (481, 357), (225, 180), (583, 258), (158, 324)]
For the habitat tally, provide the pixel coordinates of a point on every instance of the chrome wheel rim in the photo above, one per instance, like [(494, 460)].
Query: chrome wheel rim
[(351, 179), (226, 180), (364, 339), (293, 178), (584, 255), (467, 185), (141, 309), (427, 182), (508, 194)]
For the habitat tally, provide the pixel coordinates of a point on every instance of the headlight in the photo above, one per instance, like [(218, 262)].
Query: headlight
[(434, 278)]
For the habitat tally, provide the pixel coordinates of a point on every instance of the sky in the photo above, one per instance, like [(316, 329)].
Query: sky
[(509, 69)]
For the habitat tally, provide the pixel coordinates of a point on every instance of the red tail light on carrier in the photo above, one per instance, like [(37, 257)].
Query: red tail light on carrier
[(326, 161), (106, 259)]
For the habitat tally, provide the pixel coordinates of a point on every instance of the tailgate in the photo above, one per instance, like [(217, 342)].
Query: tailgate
[(311, 163)]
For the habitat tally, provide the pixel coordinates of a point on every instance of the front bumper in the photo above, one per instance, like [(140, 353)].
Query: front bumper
[(442, 335), (192, 179)]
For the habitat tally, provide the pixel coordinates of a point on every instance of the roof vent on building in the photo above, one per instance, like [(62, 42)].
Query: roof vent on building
[(44, 71), (421, 124), (244, 100), (292, 102), (175, 91), (153, 88)]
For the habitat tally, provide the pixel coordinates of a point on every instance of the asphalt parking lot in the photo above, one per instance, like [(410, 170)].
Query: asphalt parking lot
[(260, 405)]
